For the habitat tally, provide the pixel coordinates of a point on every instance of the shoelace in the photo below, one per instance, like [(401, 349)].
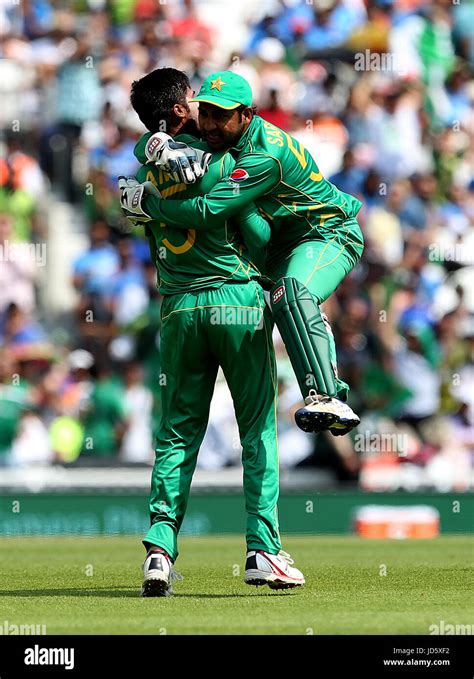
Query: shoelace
[(174, 575), (317, 398), (286, 557)]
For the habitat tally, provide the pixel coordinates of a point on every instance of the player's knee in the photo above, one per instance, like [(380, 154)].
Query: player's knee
[(286, 289)]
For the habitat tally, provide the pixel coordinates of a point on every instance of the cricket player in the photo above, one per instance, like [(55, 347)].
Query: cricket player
[(213, 314), (315, 237)]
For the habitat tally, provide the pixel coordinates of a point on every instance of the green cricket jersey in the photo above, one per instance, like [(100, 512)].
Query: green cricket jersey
[(202, 259), (276, 172)]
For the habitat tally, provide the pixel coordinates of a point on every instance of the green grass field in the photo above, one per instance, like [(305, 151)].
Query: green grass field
[(44, 581)]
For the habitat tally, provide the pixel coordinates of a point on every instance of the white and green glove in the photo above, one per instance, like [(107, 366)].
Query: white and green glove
[(132, 195), (182, 162)]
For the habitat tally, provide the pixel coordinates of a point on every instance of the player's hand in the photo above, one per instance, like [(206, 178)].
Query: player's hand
[(182, 162), (203, 160), (132, 194)]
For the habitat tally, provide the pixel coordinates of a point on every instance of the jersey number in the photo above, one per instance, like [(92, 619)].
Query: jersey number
[(191, 233), (275, 136)]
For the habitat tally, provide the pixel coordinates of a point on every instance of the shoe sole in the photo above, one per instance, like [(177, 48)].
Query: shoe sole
[(272, 581), (317, 422), (155, 587), (343, 427)]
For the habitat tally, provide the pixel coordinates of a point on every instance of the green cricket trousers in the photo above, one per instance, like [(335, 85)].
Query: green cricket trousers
[(231, 327), (317, 266)]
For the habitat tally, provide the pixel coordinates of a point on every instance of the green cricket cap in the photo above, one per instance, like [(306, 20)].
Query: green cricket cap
[(225, 89)]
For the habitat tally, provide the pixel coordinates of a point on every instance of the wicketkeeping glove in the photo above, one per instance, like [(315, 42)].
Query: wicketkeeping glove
[(132, 193), (182, 162)]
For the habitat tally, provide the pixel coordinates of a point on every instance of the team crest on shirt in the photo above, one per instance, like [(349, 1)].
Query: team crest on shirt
[(239, 175)]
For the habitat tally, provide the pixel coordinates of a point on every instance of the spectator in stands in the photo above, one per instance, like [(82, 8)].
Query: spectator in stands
[(105, 417), (78, 101), (14, 399), (351, 177), (17, 273), (137, 445), (127, 295), (92, 275), (21, 184), (17, 328)]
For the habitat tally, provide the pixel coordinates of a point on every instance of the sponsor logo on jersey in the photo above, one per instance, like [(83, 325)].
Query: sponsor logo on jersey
[(239, 175), (278, 294)]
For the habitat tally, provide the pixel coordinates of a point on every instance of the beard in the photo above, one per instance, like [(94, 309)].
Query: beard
[(224, 140)]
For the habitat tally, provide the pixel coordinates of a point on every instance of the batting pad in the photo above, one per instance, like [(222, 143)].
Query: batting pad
[(304, 333)]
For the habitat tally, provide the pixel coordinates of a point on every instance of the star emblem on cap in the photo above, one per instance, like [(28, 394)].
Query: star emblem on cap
[(217, 84)]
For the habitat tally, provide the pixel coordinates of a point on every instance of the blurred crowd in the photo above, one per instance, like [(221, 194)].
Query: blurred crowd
[(379, 91)]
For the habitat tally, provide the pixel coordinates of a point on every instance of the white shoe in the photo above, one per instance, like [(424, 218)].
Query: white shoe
[(274, 570), (158, 573), (321, 413)]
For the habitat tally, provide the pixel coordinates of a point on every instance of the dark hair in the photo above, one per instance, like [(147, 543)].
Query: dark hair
[(242, 108), (154, 96)]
